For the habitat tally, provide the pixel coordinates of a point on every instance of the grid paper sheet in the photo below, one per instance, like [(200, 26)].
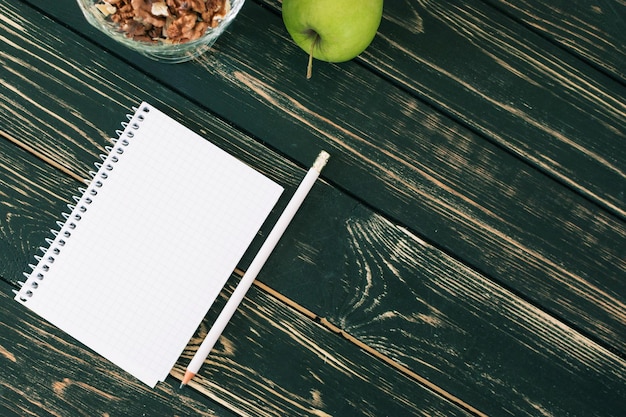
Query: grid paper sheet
[(150, 245)]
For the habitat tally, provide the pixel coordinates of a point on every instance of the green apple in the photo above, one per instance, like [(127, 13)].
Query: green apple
[(332, 30)]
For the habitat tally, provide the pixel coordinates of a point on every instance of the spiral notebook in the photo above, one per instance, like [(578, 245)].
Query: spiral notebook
[(146, 249)]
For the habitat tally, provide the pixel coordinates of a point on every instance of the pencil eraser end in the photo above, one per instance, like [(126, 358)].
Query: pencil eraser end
[(321, 161)]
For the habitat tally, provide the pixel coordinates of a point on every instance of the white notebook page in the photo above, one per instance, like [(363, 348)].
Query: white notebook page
[(153, 249)]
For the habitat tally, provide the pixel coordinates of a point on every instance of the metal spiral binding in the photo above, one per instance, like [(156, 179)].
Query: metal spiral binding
[(77, 211)]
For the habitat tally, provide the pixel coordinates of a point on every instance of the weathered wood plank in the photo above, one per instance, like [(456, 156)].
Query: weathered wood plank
[(510, 85), (409, 402), (448, 323), (42, 371), (410, 302), (378, 253), (26, 184), (273, 361), (274, 365), (593, 30), (400, 156)]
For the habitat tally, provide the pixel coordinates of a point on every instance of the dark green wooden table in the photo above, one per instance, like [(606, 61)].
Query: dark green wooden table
[(464, 253)]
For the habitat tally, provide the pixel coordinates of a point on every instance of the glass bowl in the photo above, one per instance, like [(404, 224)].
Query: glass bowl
[(161, 50)]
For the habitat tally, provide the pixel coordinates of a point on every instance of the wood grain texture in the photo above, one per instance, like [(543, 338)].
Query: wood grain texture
[(430, 173), (510, 85), (274, 364), (43, 372), (410, 400), (393, 291), (30, 203), (593, 30), (513, 87), (273, 361), (525, 246), (405, 299), (419, 306)]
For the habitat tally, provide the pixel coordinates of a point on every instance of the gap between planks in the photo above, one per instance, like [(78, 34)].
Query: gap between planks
[(365, 347), (26, 147), (289, 302)]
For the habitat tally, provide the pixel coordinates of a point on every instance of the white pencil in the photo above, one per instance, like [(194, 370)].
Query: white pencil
[(257, 263)]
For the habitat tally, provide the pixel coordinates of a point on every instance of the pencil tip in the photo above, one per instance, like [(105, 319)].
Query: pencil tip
[(188, 376), (182, 385)]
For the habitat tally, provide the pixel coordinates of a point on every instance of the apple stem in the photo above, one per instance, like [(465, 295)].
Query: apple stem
[(309, 67)]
